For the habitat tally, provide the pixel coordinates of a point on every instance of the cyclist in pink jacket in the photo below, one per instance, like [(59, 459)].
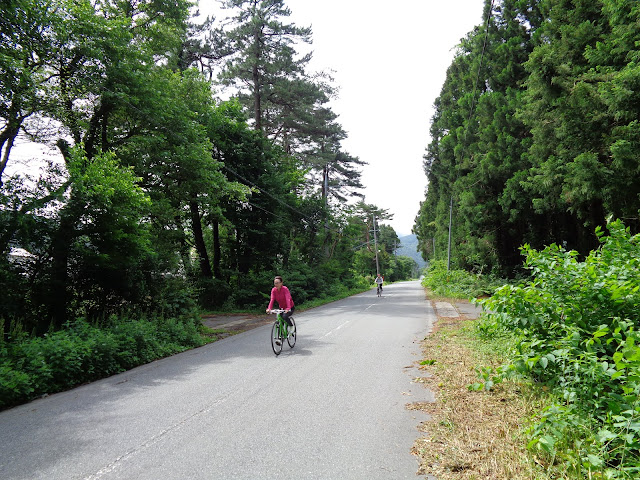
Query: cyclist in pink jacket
[(281, 294)]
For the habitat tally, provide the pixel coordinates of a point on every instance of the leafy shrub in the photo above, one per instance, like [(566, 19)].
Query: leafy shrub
[(457, 283), (15, 385), (251, 291), (358, 282), (305, 282), (578, 324), (82, 352), (176, 297)]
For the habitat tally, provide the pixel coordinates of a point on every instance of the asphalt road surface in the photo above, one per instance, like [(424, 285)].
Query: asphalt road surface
[(333, 407)]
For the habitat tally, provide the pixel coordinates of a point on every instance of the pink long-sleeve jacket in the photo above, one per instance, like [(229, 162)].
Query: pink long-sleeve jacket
[(282, 296)]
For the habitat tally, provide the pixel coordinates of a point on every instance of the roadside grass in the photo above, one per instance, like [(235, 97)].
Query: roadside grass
[(473, 434), (210, 335)]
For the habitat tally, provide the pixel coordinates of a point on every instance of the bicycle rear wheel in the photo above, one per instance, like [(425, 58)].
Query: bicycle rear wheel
[(293, 333), (276, 341)]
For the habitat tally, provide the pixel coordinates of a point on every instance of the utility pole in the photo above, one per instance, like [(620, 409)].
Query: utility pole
[(375, 244)]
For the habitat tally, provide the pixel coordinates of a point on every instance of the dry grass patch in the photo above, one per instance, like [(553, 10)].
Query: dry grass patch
[(472, 435)]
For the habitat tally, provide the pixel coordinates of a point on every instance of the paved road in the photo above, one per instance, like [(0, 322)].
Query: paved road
[(331, 408)]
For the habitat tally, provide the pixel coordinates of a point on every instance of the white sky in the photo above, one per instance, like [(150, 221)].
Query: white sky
[(390, 61)]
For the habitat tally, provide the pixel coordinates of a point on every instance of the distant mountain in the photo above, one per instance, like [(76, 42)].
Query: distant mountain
[(409, 248)]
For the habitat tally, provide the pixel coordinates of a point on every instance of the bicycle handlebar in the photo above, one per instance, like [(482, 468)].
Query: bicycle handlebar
[(278, 310)]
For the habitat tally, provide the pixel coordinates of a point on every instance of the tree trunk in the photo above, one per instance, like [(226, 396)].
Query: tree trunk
[(201, 249), (58, 299), (216, 251), (257, 108), (60, 243), (6, 144)]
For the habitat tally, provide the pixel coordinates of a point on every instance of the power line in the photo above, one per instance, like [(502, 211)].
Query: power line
[(262, 190)]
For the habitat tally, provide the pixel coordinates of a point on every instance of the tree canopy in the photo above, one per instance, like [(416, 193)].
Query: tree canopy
[(166, 199), (534, 132)]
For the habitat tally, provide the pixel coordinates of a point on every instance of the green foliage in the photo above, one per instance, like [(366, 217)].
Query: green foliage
[(163, 195), (577, 324), (401, 268), (457, 283), (364, 262), (478, 144), (259, 58), (162, 199), (535, 134), (82, 352)]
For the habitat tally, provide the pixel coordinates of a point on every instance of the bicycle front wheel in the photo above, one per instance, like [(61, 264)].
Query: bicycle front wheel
[(276, 341), (291, 339)]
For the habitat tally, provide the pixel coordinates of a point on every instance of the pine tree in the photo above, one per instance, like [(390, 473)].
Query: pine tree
[(261, 61)]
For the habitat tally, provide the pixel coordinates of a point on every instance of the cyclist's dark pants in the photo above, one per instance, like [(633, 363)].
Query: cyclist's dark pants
[(286, 316)]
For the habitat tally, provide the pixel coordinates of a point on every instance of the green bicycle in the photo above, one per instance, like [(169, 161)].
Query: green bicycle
[(281, 331)]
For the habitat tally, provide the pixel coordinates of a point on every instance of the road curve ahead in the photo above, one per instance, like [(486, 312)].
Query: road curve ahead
[(333, 407)]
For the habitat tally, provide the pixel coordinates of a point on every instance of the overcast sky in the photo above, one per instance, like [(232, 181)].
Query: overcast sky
[(390, 60)]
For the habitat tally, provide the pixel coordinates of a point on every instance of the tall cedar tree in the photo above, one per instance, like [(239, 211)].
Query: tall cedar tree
[(547, 153), (582, 108), (478, 145)]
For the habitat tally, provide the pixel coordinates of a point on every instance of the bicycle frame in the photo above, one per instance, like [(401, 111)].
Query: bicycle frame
[(283, 327), (281, 332)]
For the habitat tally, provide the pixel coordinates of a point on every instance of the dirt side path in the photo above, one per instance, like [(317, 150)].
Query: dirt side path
[(236, 323)]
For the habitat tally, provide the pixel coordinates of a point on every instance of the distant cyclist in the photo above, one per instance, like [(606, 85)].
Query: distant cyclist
[(281, 294), (379, 280)]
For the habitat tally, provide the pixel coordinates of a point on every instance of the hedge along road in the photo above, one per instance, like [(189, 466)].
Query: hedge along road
[(333, 407)]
